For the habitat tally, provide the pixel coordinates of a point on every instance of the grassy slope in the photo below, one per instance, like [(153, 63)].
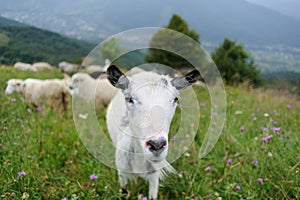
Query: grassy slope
[(46, 146)]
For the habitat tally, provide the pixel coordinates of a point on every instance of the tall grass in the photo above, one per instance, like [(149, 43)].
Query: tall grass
[(46, 146)]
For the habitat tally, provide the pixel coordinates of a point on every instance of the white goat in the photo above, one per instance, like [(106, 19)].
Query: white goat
[(138, 121)]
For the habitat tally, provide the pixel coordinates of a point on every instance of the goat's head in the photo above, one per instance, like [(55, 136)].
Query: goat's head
[(151, 101)]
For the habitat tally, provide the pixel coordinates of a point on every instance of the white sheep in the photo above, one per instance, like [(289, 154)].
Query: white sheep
[(68, 68), (94, 68), (138, 120), (24, 66), (53, 92), (41, 66), (83, 86)]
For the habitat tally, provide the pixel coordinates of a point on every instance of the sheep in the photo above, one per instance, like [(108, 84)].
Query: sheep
[(41, 66), (138, 120), (68, 68), (94, 68), (83, 86), (24, 66), (35, 92)]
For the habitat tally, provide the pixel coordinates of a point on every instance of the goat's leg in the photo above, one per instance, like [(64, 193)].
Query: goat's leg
[(124, 184), (153, 185)]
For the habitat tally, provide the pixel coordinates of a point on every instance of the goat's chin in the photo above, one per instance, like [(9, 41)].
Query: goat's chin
[(156, 158)]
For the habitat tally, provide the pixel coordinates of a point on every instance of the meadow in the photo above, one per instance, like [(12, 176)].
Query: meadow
[(256, 157)]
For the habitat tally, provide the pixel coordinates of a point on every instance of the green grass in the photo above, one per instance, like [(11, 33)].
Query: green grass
[(46, 146)]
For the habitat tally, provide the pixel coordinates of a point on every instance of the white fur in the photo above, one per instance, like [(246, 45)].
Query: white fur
[(68, 68), (23, 66), (148, 118), (37, 92), (85, 87), (94, 68), (41, 66)]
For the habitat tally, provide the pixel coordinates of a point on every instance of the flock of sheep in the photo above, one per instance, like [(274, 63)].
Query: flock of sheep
[(91, 86)]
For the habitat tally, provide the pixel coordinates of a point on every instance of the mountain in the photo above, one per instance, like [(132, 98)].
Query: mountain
[(213, 19), (19, 42), (9, 22), (287, 7)]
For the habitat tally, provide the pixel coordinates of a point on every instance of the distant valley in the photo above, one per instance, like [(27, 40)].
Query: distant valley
[(95, 20)]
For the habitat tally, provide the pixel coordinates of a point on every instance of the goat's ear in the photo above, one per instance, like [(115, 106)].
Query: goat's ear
[(187, 80), (117, 78)]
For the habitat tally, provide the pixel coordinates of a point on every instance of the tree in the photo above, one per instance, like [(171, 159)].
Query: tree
[(235, 64), (163, 38), (111, 49)]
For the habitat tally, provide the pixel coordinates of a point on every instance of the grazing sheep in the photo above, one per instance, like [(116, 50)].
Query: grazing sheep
[(41, 66), (138, 120), (94, 68), (85, 87), (23, 66), (53, 92), (68, 68)]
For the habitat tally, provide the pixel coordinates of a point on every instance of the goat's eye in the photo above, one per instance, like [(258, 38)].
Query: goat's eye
[(175, 100), (129, 99)]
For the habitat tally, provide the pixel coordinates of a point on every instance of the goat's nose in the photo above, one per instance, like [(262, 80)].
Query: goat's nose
[(71, 87), (156, 145)]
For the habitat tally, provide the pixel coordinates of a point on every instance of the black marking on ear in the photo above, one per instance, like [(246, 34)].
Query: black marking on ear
[(193, 76), (117, 78), (187, 80)]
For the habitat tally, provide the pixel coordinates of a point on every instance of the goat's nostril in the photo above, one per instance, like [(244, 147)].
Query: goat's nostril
[(71, 87), (156, 145)]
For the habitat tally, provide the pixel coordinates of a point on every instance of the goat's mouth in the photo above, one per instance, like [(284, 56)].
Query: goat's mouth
[(156, 158)]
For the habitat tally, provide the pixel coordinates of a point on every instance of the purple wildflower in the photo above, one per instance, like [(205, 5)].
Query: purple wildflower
[(276, 129), (273, 121), (144, 198), (1, 145), (65, 198), (260, 180), (288, 106), (254, 118), (266, 139), (229, 160), (173, 138), (238, 187), (93, 177), (207, 169), (39, 108), (263, 128), (255, 162), (13, 100), (243, 128), (22, 174)]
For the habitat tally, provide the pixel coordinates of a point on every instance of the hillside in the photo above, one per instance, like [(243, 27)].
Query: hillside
[(287, 7), (9, 22), (214, 19), (19, 42)]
